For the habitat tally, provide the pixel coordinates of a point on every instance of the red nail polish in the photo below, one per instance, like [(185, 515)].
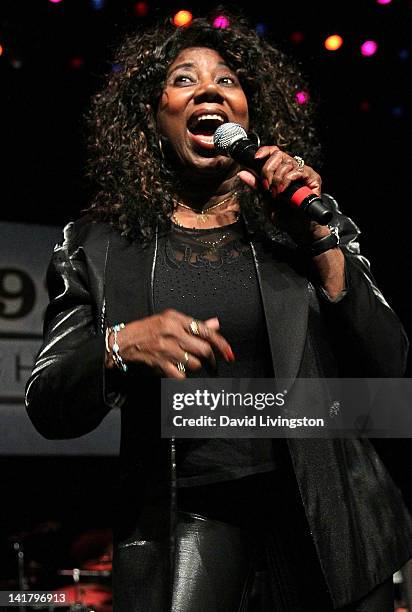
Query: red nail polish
[(230, 355), (265, 184)]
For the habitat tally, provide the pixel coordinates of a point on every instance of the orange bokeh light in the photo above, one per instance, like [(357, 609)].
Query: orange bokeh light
[(334, 42), (1, 50), (182, 18)]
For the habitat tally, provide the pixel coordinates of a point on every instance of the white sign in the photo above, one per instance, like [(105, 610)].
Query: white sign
[(25, 253)]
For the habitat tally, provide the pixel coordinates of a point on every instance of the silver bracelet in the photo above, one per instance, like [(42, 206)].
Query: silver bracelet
[(115, 350)]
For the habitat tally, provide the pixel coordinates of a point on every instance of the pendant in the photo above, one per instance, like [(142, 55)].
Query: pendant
[(203, 218)]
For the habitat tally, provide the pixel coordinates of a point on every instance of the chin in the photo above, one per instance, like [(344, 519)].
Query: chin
[(209, 163)]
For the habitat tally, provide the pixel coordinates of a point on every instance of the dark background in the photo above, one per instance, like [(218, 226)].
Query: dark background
[(54, 58)]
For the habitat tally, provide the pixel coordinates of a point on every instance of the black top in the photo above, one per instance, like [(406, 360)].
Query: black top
[(206, 273)]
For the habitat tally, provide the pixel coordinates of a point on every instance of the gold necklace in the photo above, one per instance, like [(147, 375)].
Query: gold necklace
[(202, 216), (177, 222)]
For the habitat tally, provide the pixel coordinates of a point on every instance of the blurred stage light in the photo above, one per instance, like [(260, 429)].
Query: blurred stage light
[(55, 1), (141, 9), (297, 37), (221, 22), (404, 54), (397, 111), (1, 50), (369, 47), (77, 62), (333, 42), (261, 29), (302, 97), (182, 18), (97, 4), (383, 1), (365, 106)]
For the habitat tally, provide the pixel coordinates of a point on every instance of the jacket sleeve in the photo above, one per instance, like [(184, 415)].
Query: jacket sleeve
[(67, 394), (363, 326)]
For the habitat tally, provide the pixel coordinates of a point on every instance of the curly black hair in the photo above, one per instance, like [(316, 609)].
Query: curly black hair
[(134, 184)]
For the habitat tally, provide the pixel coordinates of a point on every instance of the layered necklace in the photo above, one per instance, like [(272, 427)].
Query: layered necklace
[(202, 216)]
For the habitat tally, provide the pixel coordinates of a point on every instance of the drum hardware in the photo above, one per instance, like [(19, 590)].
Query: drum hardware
[(86, 573)]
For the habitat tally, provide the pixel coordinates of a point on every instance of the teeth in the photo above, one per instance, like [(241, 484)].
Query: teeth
[(210, 117)]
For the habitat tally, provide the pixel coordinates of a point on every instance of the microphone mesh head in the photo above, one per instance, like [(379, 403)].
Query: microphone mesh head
[(226, 135)]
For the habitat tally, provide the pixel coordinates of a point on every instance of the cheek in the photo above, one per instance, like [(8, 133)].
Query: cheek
[(169, 114)]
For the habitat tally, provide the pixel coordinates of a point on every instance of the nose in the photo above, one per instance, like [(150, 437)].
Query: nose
[(208, 91)]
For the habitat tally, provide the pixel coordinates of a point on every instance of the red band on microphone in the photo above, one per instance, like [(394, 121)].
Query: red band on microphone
[(300, 194)]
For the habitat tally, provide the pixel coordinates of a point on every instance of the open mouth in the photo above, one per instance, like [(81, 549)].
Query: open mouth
[(202, 127)]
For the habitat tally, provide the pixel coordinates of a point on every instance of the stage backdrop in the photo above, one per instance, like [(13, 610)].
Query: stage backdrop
[(25, 252)]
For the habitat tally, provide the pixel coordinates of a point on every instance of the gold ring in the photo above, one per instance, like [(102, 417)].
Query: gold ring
[(181, 367), (194, 327), (186, 358), (299, 161)]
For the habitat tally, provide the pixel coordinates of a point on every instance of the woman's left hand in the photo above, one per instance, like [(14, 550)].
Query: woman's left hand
[(279, 171)]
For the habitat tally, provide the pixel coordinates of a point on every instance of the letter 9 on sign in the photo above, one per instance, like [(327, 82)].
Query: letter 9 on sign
[(17, 293), (178, 403)]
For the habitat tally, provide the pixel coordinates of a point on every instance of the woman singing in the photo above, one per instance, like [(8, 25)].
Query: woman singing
[(188, 265)]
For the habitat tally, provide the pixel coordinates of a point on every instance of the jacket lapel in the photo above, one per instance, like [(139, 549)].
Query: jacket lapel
[(285, 303), (128, 276)]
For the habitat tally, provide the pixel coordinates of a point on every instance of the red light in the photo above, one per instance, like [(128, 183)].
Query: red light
[(76, 62), (297, 37), (365, 106), (1, 50), (141, 9)]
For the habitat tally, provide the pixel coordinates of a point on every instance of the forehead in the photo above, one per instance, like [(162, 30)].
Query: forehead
[(198, 57)]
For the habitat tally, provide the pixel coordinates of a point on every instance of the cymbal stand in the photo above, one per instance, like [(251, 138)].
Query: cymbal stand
[(23, 583), (78, 604)]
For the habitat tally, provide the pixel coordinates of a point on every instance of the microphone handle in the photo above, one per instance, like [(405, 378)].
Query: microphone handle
[(297, 194)]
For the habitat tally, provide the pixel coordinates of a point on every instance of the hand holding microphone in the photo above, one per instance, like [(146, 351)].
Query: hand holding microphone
[(231, 139)]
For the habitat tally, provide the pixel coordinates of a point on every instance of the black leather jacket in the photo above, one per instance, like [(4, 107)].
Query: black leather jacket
[(96, 278)]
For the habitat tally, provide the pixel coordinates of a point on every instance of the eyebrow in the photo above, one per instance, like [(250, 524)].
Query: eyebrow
[(192, 65)]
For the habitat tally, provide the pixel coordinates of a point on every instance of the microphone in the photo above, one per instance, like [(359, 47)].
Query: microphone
[(230, 139)]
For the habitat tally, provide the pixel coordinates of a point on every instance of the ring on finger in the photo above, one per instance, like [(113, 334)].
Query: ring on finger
[(194, 327), (300, 161), (181, 367)]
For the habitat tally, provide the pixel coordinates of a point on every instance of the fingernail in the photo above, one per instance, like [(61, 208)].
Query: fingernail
[(229, 354), (265, 184)]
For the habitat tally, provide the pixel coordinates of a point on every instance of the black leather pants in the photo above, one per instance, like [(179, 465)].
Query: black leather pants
[(241, 546), (216, 571)]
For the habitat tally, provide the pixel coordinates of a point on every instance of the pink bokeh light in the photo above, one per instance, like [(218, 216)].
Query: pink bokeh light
[(221, 22), (302, 97), (383, 1), (55, 1), (369, 47)]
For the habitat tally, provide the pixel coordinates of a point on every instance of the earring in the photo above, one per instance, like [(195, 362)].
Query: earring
[(159, 142)]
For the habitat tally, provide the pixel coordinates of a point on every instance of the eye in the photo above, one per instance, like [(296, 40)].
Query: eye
[(227, 80), (183, 79)]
